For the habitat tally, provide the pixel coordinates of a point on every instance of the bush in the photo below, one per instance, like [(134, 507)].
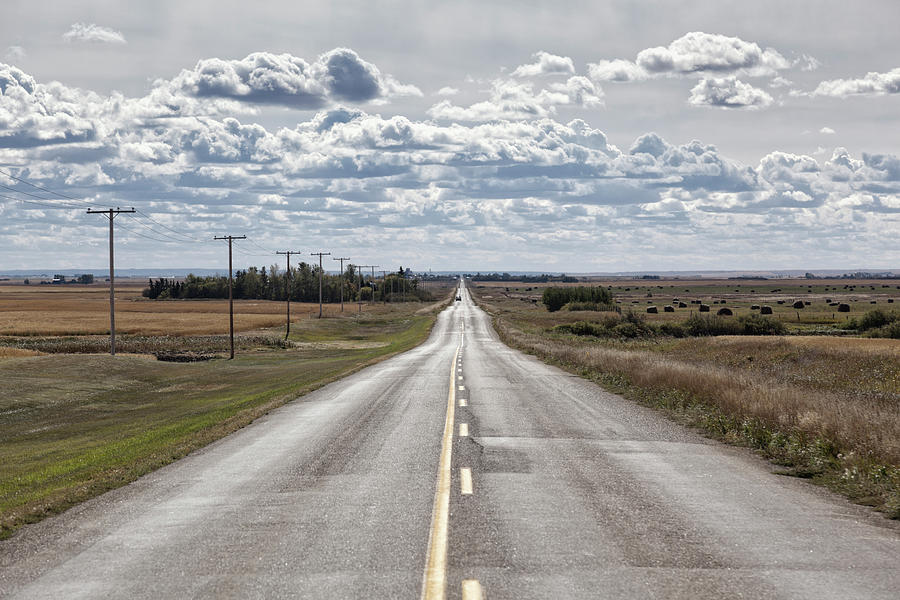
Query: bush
[(587, 306), (758, 325), (697, 325), (875, 319), (672, 329), (581, 328), (891, 330), (554, 298)]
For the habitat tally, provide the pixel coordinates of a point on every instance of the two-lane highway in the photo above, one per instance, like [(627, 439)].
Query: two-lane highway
[(461, 468)]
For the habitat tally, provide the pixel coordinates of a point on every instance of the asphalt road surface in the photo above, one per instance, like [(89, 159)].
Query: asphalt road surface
[(461, 468)]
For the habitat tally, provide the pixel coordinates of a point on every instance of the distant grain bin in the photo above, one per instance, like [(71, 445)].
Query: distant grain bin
[(798, 304), (652, 310), (724, 312), (843, 308), (704, 308), (668, 309), (765, 310)]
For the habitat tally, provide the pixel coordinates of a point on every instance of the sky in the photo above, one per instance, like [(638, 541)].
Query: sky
[(596, 136)]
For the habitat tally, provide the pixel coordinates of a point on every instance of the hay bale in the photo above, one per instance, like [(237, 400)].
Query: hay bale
[(704, 308), (873, 302), (890, 300), (765, 310), (843, 308), (724, 312), (668, 308), (754, 307), (652, 310), (781, 302), (682, 305), (798, 304), (807, 302)]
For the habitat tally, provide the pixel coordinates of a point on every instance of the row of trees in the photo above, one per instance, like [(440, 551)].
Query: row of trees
[(301, 284)]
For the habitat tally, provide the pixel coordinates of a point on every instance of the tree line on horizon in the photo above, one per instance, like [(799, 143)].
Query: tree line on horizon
[(301, 284)]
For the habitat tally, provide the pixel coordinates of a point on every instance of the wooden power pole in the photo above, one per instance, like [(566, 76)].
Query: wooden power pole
[(230, 238), (320, 255), (111, 215), (342, 259), (287, 330)]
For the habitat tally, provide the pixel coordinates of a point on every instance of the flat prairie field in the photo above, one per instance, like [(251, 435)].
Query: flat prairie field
[(738, 295), (28, 310)]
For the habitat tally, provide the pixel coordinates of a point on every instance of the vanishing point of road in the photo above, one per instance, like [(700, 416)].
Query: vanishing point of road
[(460, 469)]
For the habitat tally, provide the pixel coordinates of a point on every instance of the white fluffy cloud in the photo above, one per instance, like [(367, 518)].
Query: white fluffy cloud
[(546, 64), (873, 84), (514, 100), (728, 92), (14, 53), (697, 52), (339, 75), (616, 70), (89, 32), (507, 178)]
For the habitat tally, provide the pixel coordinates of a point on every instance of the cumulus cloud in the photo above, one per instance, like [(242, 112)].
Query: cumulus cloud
[(546, 64), (873, 84), (522, 185), (339, 75), (515, 100), (448, 91), (827, 131), (728, 92), (90, 32), (697, 52), (33, 114), (616, 70)]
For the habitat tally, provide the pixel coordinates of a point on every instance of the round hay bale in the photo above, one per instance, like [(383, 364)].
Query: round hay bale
[(843, 308), (754, 307), (765, 310), (890, 300), (724, 312), (652, 310), (833, 303), (704, 308), (873, 302), (780, 301), (798, 304), (668, 308), (807, 302), (682, 305)]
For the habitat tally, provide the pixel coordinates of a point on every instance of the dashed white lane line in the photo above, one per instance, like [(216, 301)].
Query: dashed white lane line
[(471, 590), (462, 388), (462, 402), (463, 430), (465, 481), (460, 377)]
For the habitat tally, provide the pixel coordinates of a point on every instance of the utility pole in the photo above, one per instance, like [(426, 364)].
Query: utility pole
[(111, 214), (288, 253), (320, 255), (230, 238), (342, 259)]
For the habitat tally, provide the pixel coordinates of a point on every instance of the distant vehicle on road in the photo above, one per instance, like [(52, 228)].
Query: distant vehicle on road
[(458, 298)]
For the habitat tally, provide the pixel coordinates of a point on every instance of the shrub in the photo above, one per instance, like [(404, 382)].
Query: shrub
[(709, 325), (554, 298), (755, 324), (672, 329), (587, 306), (891, 330), (874, 319)]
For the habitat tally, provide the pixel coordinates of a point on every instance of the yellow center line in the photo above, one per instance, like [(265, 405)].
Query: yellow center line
[(434, 582), (471, 590)]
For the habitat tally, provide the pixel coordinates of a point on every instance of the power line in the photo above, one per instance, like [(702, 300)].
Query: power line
[(230, 239), (149, 218), (111, 215)]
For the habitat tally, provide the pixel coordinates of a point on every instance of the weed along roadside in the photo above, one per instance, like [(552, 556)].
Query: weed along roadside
[(822, 408), (73, 426)]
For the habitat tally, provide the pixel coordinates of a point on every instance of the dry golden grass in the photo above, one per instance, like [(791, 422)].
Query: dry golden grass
[(6, 352), (84, 310)]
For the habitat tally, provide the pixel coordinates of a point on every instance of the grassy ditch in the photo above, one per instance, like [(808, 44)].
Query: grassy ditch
[(822, 408), (73, 426)]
